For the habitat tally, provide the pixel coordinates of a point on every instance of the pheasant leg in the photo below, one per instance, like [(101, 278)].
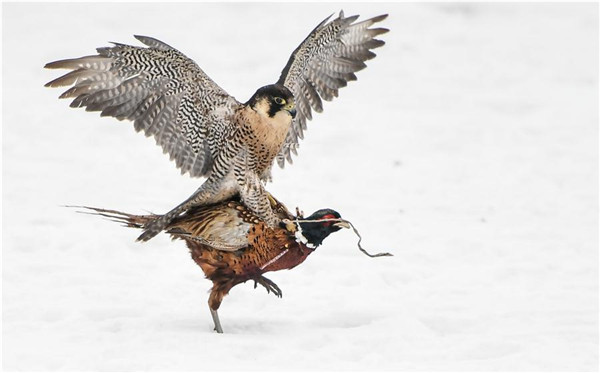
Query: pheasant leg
[(215, 317)]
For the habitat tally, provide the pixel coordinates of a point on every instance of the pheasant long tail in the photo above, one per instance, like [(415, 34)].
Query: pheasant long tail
[(128, 220)]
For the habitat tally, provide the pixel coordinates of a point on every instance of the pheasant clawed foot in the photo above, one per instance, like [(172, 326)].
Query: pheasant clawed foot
[(269, 285)]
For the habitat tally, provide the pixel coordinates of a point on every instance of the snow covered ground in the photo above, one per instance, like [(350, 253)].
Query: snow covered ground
[(468, 148)]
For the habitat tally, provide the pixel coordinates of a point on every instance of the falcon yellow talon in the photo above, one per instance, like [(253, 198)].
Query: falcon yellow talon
[(289, 225)]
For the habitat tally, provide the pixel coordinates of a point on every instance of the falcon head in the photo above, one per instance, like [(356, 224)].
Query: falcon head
[(315, 232), (273, 99)]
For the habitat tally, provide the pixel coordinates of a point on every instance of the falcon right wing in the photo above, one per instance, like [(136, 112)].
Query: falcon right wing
[(163, 92), (325, 62)]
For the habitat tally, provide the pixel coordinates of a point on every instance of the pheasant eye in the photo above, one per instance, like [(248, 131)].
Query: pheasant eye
[(326, 217), (279, 101)]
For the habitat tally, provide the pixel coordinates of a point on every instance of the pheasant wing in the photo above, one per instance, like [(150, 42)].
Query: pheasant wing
[(163, 92), (224, 226), (324, 62)]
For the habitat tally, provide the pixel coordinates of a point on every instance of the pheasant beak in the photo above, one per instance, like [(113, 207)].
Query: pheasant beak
[(342, 224), (291, 108)]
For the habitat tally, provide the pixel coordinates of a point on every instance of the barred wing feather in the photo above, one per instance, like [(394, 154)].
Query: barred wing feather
[(324, 62), (163, 92)]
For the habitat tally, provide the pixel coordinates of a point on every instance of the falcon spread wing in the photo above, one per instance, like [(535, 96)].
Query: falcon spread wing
[(325, 61), (162, 91)]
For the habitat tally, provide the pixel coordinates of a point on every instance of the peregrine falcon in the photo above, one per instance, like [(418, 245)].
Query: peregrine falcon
[(206, 131)]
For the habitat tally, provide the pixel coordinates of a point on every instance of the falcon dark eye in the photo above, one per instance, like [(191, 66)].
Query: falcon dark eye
[(279, 101)]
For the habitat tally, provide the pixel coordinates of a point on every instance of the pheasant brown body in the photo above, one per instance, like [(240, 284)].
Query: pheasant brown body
[(266, 249)]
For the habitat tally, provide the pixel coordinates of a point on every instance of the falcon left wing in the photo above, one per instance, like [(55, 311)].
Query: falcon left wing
[(324, 62), (162, 91)]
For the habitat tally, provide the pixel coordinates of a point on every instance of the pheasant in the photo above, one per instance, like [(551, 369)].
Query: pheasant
[(206, 131), (232, 245)]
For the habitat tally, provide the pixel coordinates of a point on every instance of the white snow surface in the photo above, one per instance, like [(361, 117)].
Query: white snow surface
[(468, 148)]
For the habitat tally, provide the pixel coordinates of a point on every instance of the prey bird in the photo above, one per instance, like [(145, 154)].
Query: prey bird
[(232, 245), (207, 132)]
